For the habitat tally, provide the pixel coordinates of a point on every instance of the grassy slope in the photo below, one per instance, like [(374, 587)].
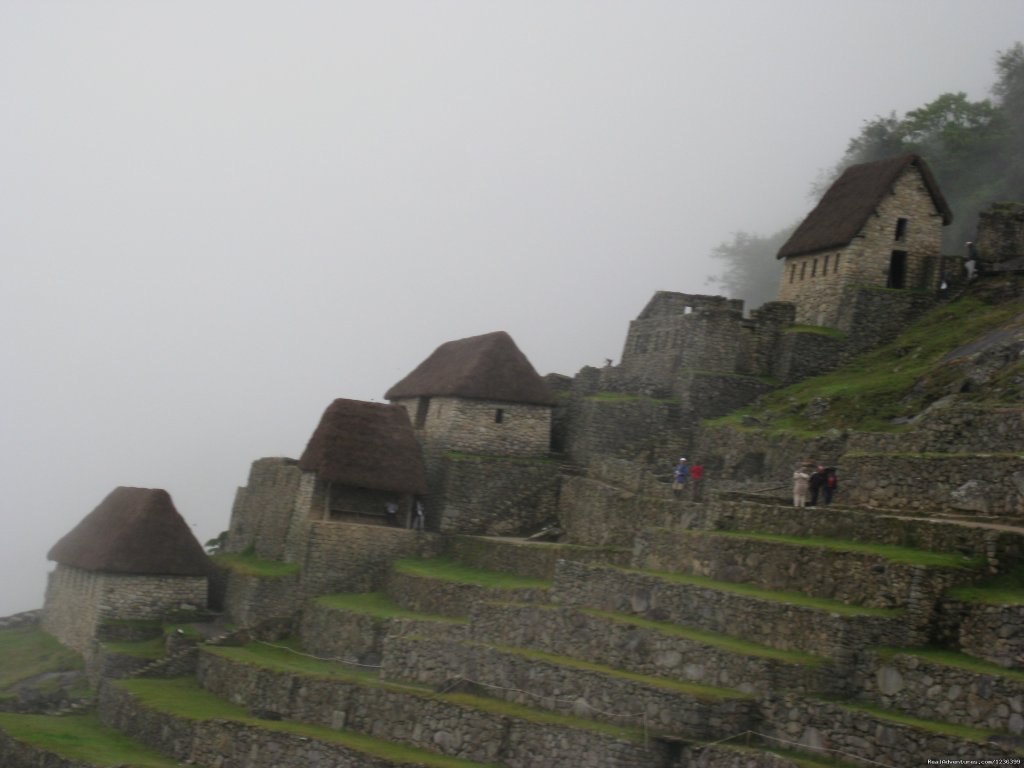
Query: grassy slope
[(28, 651), (897, 380)]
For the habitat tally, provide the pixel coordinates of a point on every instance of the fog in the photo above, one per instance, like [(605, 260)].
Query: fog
[(217, 217)]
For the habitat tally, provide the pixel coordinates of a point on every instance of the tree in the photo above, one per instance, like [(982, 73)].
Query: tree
[(751, 268)]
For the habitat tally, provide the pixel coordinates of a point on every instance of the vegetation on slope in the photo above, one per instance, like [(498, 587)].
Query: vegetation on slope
[(883, 389)]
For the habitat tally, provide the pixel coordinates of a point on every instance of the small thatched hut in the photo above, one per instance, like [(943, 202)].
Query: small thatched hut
[(366, 457), (478, 395), (132, 557), (878, 225)]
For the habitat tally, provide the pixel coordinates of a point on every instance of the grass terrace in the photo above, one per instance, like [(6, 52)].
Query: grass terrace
[(1007, 589), (248, 564), (449, 570), (83, 738), (185, 699), (946, 658), (26, 652), (378, 605)]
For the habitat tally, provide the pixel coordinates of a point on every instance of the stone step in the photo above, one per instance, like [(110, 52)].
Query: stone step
[(71, 742), (783, 620), (443, 587), (1000, 545), (530, 559), (180, 719), (943, 685), (873, 575), (571, 686), (352, 626), (858, 733), (653, 648), (456, 724)]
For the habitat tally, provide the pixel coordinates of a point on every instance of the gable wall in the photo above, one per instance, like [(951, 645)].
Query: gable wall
[(470, 426)]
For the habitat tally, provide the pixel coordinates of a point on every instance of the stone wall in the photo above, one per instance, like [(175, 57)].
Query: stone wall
[(263, 509), (583, 691), (251, 599), (435, 597), (536, 560), (419, 718), (78, 601), (344, 557), (642, 648), (972, 483), (994, 633), (627, 426), (931, 691), (1001, 232), (855, 578), (481, 426), (19, 754), (598, 514), (804, 353), (784, 625), (496, 496), (874, 316), (818, 725)]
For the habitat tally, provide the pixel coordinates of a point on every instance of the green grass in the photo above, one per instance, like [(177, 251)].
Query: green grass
[(965, 732), (721, 642), (947, 658), (284, 661), (378, 605), (706, 692), (794, 598), (624, 397), (482, 457), (1006, 589), (288, 657), (449, 570), (248, 564), (143, 649), (818, 330), (82, 737), (26, 652), (898, 379), (893, 553), (185, 699)]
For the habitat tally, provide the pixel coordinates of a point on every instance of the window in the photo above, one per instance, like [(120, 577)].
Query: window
[(499, 415), (422, 406), (803, 269), (897, 272), (901, 229), (792, 273), (814, 268), (824, 268), (835, 267)]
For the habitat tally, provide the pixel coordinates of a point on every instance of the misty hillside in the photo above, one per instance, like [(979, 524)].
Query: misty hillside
[(969, 348)]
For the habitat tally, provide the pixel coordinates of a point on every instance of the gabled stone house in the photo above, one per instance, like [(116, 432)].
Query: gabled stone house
[(478, 395), (364, 456), (483, 416), (132, 558), (878, 226)]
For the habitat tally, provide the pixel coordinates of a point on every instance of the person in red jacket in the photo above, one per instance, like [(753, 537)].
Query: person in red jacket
[(696, 476)]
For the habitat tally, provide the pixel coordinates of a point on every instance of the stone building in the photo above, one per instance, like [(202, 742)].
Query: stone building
[(131, 558), (365, 457), (878, 226), (361, 457), (478, 395), (483, 416)]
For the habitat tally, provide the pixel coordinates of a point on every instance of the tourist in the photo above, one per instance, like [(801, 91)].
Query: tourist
[(830, 485), (391, 514), (696, 475), (815, 483), (418, 518), (801, 479), (679, 478)]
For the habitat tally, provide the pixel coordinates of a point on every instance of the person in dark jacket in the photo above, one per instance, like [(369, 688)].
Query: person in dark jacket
[(830, 484), (815, 484)]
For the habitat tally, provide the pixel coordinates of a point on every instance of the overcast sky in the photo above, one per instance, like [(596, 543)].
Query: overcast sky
[(217, 217)]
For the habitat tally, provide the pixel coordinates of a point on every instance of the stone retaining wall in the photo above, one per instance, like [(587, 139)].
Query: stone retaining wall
[(451, 598), (251, 599), (782, 625), (818, 724), (598, 514), (994, 633), (417, 718), (980, 484), (640, 649), (580, 692), (924, 689), (18, 754), (855, 578), (535, 560)]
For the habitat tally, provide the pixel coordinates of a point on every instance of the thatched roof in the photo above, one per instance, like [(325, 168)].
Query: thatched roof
[(853, 197), (487, 367), (367, 445), (133, 530)]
